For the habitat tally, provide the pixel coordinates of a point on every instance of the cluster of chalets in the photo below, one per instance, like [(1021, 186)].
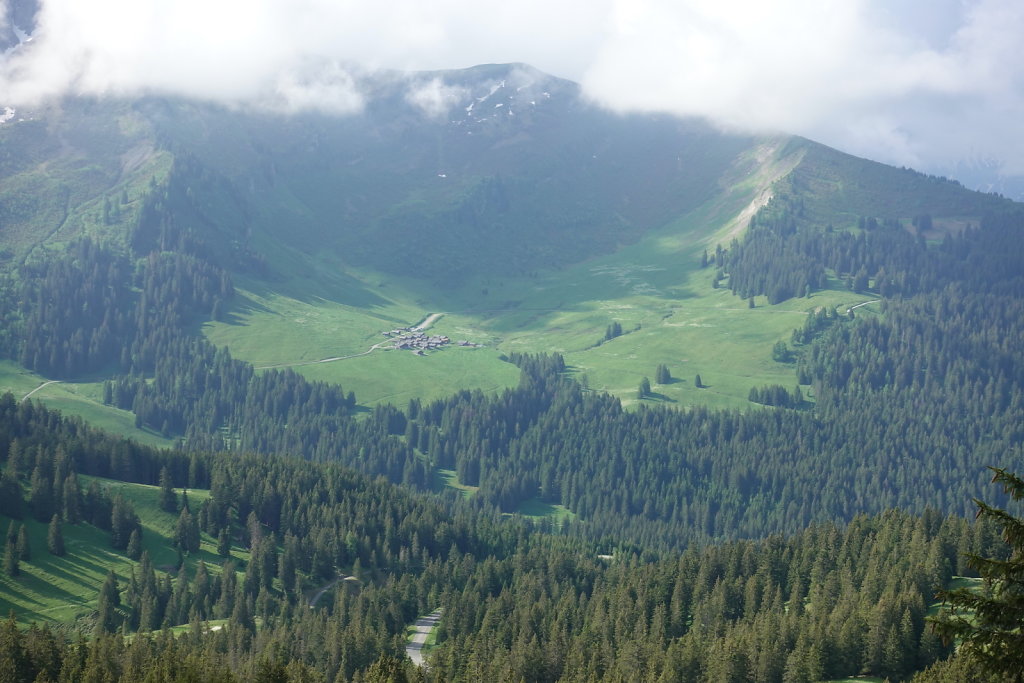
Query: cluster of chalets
[(418, 342)]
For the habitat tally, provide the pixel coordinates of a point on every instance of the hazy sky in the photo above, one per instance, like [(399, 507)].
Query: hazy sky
[(917, 82)]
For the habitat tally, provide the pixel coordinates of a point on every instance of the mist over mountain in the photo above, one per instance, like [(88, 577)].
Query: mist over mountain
[(439, 175), (931, 86)]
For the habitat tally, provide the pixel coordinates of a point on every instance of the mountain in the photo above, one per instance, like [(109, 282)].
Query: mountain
[(441, 175), (496, 195), (404, 357)]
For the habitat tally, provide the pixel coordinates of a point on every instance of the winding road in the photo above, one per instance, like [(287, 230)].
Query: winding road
[(424, 625), (44, 384), (323, 589)]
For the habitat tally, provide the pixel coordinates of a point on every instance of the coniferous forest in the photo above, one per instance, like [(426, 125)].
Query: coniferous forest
[(801, 539)]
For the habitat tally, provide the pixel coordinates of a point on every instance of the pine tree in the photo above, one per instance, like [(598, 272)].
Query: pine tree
[(662, 374), (168, 498), (24, 549), (134, 549), (12, 567), (645, 388), (55, 537), (72, 502), (109, 601), (41, 497), (224, 543), (15, 663), (186, 532), (697, 382), (990, 625), (123, 521)]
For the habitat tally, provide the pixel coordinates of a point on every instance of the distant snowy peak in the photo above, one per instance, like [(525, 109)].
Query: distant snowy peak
[(500, 99), (483, 95)]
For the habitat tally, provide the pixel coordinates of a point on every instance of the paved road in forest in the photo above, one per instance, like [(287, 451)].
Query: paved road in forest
[(424, 625)]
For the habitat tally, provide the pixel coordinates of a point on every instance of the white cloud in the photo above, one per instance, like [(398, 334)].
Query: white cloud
[(434, 98), (316, 85), (846, 72), (917, 82)]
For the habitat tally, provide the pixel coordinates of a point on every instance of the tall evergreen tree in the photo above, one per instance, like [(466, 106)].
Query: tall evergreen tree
[(662, 374), (24, 548), (168, 498), (55, 537), (12, 567), (990, 623), (107, 604)]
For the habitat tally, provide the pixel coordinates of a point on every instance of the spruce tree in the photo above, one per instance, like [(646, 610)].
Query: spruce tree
[(662, 374), (168, 498), (24, 548), (106, 608), (55, 537), (12, 566), (224, 543), (990, 624), (41, 497), (134, 549)]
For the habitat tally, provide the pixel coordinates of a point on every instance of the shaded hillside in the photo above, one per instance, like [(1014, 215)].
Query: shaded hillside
[(496, 169), (832, 187), (511, 173)]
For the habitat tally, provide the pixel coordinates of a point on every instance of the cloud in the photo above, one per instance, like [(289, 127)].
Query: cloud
[(317, 85), (926, 83), (434, 98), (856, 74)]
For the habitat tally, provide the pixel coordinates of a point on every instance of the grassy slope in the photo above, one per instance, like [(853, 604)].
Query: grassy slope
[(84, 399), (654, 285), (63, 589)]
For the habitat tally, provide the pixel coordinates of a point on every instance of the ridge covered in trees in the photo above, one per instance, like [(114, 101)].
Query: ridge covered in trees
[(832, 600)]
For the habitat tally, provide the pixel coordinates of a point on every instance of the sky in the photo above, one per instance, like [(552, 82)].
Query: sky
[(921, 83)]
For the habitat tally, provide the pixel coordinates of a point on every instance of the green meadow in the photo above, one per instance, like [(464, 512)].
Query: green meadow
[(655, 289), (65, 589), (84, 399)]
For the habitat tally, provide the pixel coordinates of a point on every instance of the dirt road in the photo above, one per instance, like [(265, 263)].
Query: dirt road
[(44, 384), (424, 625)]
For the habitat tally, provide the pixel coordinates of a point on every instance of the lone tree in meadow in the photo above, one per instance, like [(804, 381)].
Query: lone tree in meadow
[(645, 388), (697, 382), (990, 623), (662, 375)]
